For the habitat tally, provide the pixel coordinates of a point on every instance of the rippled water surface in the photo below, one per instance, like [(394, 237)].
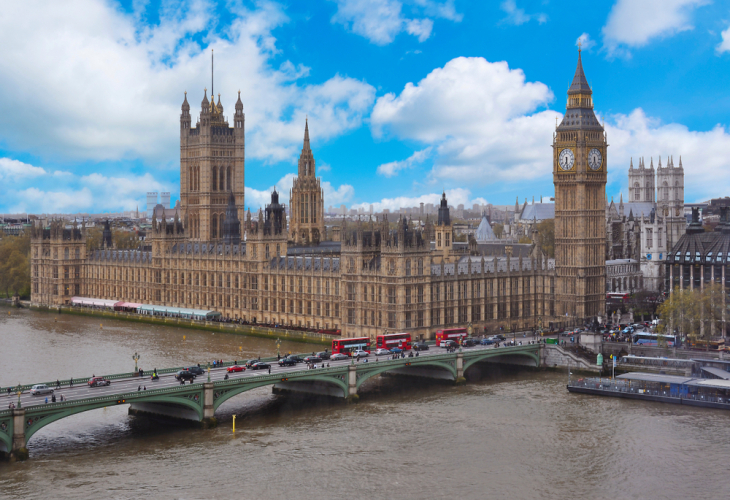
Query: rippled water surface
[(506, 434)]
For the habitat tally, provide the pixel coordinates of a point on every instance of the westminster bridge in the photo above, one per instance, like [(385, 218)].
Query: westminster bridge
[(198, 401)]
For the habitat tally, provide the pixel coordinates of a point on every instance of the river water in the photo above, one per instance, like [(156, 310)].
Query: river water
[(506, 434)]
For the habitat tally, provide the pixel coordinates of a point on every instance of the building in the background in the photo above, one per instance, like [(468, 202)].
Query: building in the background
[(165, 200), (152, 201), (650, 223)]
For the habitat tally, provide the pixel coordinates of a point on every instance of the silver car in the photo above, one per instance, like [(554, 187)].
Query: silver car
[(338, 356), (40, 389)]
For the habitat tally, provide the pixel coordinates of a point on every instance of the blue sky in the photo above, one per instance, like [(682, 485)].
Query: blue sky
[(404, 97)]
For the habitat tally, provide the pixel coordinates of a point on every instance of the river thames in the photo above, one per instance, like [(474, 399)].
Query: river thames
[(506, 434)]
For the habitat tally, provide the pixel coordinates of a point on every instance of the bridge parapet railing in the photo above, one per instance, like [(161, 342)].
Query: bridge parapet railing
[(128, 375), (111, 398)]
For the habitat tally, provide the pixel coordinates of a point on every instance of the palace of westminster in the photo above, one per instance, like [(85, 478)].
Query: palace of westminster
[(360, 277)]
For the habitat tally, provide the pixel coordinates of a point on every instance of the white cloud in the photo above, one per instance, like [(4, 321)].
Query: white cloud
[(380, 21), (482, 123), (518, 16), (392, 168), (724, 46), (584, 42), (704, 154), (13, 169), (333, 196), (478, 116), (633, 23), (34, 200), (109, 87), (455, 197), (59, 191)]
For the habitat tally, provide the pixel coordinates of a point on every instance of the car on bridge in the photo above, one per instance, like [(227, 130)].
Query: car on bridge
[(396, 350), (287, 362), (236, 368), (260, 366), (184, 375), (380, 352), (449, 343), (195, 370), (251, 362), (312, 359), (40, 389), (420, 347), (486, 342), (339, 356), (468, 343), (324, 355), (99, 382), (359, 354)]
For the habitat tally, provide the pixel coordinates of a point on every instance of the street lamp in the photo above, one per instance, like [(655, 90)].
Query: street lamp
[(278, 346), (135, 358), (19, 393)]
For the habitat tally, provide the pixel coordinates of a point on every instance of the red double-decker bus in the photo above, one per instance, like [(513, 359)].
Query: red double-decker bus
[(347, 346), (454, 334), (390, 340)]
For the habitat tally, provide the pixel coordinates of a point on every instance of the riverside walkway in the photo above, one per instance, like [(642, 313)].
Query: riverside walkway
[(198, 401)]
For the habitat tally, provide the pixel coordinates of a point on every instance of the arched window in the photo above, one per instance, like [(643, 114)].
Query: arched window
[(214, 182), (665, 189), (637, 191), (223, 179), (408, 267), (228, 179), (221, 218), (214, 227), (420, 267)]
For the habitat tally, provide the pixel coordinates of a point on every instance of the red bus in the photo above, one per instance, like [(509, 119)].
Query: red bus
[(347, 346), (390, 340), (451, 334), (617, 298)]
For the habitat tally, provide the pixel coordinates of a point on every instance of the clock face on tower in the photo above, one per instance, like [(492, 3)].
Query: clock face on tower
[(566, 159), (595, 159)]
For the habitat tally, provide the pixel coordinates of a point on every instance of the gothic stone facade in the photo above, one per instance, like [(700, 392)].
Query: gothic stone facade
[(379, 276)]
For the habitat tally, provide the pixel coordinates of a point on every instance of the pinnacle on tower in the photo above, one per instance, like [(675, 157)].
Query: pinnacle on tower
[(680, 161), (660, 162), (306, 135), (631, 166), (579, 84), (185, 105)]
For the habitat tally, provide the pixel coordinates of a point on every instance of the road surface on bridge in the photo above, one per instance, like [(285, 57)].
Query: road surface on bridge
[(81, 390)]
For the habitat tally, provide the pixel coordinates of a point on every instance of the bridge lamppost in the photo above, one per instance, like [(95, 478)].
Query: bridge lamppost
[(278, 346), (135, 357), (208, 371), (20, 391)]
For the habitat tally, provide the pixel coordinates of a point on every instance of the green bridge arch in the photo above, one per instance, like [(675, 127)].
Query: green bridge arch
[(223, 391), (36, 418), (378, 368), (531, 351)]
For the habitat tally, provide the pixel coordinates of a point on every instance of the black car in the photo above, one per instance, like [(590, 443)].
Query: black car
[(468, 343), (251, 362), (184, 375), (323, 355), (296, 358), (500, 337), (260, 366), (312, 359), (448, 343), (287, 362), (420, 347), (195, 370)]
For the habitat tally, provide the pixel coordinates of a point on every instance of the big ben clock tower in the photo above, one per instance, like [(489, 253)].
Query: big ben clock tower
[(579, 175)]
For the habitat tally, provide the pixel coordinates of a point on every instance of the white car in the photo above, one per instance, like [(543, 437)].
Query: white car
[(382, 352), (339, 356), (360, 354), (40, 389)]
